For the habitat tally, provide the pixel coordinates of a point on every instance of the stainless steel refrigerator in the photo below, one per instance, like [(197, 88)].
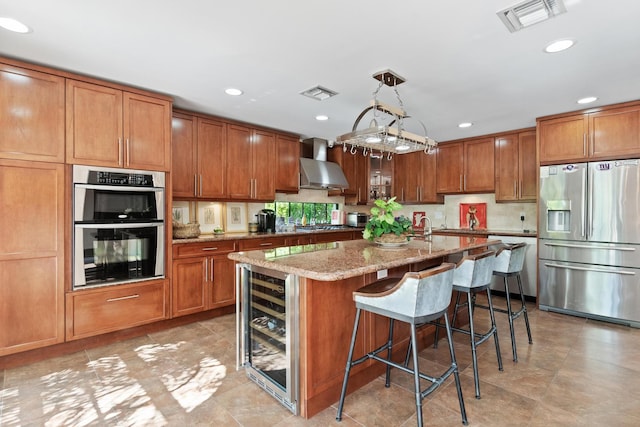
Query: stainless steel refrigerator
[(589, 240)]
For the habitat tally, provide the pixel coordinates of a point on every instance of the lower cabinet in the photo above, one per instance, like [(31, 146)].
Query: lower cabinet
[(203, 277), (107, 309)]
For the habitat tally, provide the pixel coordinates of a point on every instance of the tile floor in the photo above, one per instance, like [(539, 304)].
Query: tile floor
[(576, 373)]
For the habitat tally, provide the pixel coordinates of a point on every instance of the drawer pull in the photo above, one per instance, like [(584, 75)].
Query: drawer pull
[(123, 298), (266, 244), (209, 249)]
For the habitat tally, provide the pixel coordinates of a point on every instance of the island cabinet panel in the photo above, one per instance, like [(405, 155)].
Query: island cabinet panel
[(287, 163), (262, 243), (251, 156), (199, 147), (97, 311), (109, 127), (32, 255), (466, 166), (609, 133), (31, 115), (515, 167), (203, 277)]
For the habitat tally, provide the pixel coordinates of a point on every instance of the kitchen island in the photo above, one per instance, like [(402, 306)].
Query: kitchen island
[(314, 317)]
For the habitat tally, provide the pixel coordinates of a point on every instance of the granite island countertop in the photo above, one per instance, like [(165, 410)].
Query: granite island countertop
[(485, 232), (341, 260)]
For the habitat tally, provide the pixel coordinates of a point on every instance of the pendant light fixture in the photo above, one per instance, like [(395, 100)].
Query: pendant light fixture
[(386, 132)]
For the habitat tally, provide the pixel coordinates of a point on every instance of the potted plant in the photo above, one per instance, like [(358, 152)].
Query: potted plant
[(384, 226)]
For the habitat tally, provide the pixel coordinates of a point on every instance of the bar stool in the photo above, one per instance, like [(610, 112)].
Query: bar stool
[(416, 298), (509, 263), (472, 275)]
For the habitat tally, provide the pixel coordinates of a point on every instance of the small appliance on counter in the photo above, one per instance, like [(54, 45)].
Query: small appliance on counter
[(357, 219), (266, 221)]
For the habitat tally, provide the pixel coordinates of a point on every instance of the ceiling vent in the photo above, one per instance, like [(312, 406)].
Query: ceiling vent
[(319, 93), (530, 12)]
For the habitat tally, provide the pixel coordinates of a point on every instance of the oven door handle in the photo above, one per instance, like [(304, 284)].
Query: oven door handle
[(119, 188), (121, 225)]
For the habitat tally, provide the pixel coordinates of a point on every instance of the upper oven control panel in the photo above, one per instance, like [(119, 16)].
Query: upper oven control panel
[(119, 178)]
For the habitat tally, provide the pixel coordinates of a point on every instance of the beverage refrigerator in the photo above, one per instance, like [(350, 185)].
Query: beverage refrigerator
[(589, 240)]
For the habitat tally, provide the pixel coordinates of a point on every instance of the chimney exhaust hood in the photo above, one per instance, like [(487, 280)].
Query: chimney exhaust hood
[(315, 171)]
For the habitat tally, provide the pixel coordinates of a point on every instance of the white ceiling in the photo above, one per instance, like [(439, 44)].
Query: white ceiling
[(460, 61)]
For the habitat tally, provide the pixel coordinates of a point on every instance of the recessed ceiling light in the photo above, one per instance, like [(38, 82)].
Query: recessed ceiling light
[(322, 117), (233, 91), (559, 45), (587, 100), (13, 25), (465, 125)]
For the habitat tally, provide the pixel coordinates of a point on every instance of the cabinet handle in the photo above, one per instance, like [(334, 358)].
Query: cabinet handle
[(584, 144), (127, 154), (120, 151), (206, 271), (195, 185), (419, 193), (123, 298), (201, 184), (520, 189), (209, 249), (211, 270), (266, 244)]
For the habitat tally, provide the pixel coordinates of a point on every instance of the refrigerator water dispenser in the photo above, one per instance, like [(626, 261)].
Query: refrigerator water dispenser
[(559, 215)]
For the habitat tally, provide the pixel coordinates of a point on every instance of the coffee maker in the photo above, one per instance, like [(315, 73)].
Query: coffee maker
[(266, 221)]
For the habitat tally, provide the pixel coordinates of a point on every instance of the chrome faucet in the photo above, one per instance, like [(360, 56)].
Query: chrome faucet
[(427, 230)]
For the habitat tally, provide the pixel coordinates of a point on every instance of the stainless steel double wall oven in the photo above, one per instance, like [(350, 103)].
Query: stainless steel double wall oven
[(118, 229)]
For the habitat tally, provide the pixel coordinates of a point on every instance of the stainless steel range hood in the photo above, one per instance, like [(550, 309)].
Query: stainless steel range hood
[(315, 171)]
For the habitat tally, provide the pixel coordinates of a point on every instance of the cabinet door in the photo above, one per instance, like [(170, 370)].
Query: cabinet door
[(212, 159), (184, 155), (31, 255), (287, 163), (362, 178), (615, 133), (450, 162), (147, 132), (239, 164), (479, 161), (563, 139), (190, 277), (263, 148), (507, 167), (223, 291), (94, 125), (31, 115), (428, 193), (347, 162), (527, 166)]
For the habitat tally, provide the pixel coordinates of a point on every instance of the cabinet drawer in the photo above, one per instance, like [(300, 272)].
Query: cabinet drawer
[(110, 309), (204, 248), (264, 243)]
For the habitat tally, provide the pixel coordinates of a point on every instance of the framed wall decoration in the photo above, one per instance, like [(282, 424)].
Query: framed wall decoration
[(235, 217), (210, 216)]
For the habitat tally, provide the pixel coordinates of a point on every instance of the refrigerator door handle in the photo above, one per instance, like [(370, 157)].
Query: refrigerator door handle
[(590, 206), (612, 248), (586, 213), (598, 270)]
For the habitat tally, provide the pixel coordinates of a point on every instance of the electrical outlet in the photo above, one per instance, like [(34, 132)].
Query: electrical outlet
[(521, 216)]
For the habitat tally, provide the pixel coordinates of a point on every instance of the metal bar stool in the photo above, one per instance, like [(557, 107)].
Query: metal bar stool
[(416, 298), (472, 275), (509, 263)]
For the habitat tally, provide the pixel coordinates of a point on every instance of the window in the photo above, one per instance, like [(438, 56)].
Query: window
[(318, 213)]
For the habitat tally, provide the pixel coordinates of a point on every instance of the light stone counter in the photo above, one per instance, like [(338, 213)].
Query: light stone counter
[(341, 260)]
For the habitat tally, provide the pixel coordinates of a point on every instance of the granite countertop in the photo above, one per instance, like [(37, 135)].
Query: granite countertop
[(340, 260), (246, 235), (485, 231)]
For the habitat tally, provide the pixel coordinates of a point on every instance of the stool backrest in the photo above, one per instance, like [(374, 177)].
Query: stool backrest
[(474, 270), (416, 295), (510, 258)]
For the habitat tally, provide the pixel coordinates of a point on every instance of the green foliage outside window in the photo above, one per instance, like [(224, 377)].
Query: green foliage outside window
[(320, 213)]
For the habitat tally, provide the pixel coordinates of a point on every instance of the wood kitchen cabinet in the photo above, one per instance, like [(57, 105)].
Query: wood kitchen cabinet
[(32, 255), (100, 310), (107, 126), (415, 178), (287, 163), (347, 162), (31, 115), (515, 167), (466, 166), (251, 156), (199, 151), (607, 133), (203, 277)]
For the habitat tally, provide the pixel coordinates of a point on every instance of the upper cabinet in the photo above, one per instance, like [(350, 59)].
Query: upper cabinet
[(515, 167), (347, 162), (604, 134), (466, 166), (199, 151), (415, 178), (287, 163), (110, 127), (31, 115), (251, 156)]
